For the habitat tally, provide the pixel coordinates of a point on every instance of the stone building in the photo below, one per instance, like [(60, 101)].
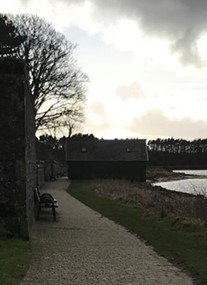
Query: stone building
[(94, 158)]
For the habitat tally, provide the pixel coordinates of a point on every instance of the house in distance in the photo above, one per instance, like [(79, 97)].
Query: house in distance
[(92, 158)]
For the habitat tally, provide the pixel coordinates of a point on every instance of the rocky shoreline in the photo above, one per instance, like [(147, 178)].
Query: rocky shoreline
[(157, 174)]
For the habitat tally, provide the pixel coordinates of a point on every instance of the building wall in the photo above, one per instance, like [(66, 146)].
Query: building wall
[(90, 170), (40, 173), (17, 149)]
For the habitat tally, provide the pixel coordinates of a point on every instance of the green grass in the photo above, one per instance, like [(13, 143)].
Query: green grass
[(187, 247), (14, 260)]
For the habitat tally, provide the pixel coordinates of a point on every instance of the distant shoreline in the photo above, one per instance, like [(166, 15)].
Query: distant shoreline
[(159, 174)]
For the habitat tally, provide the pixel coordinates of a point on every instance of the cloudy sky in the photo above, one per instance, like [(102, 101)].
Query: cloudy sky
[(146, 60)]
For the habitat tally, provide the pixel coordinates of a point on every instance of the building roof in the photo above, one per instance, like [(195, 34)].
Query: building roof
[(106, 150)]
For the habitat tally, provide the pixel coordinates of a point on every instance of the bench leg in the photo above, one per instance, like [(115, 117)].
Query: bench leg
[(38, 213), (54, 213)]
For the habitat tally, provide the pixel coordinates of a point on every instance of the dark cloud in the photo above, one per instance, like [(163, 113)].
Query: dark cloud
[(156, 124), (181, 21), (132, 91)]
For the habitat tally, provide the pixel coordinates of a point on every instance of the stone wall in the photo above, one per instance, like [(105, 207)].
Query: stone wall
[(17, 149), (40, 173), (30, 151)]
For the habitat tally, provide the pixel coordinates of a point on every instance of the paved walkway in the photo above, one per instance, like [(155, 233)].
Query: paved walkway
[(83, 248)]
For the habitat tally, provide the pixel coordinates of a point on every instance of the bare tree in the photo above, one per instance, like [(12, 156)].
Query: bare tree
[(66, 124), (57, 84)]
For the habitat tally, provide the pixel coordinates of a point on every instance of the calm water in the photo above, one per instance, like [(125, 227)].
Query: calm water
[(193, 186)]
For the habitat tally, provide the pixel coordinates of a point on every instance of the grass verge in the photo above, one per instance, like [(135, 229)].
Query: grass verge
[(14, 260), (185, 246)]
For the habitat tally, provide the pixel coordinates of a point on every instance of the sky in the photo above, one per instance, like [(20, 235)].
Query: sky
[(146, 61)]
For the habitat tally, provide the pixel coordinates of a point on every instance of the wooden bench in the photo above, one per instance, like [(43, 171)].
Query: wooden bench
[(45, 200)]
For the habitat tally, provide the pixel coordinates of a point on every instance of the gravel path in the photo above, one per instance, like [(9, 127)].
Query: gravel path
[(83, 248)]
